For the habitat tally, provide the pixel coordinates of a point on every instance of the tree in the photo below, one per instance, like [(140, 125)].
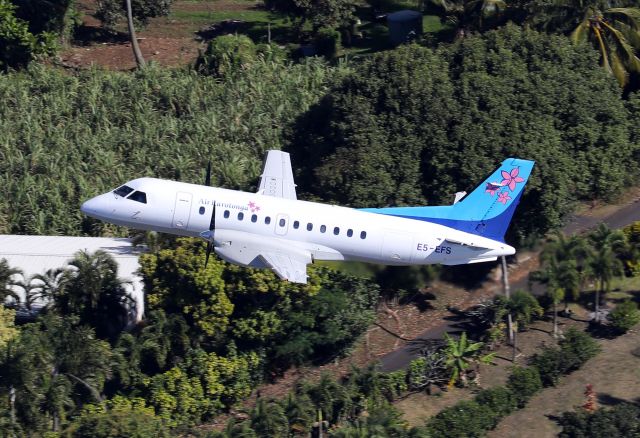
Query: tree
[(471, 15), (562, 263), (332, 14), (604, 262), (8, 331), (45, 288), (118, 417), (624, 316), (610, 26), (91, 289), (51, 368), (268, 419), (8, 282), (461, 355)]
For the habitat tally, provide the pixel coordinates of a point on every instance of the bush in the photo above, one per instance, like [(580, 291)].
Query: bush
[(524, 383), (622, 420), (464, 419), (579, 344), (328, 42), (18, 46), (624, 316), (500, 399), (552, 363), (110, 12), (227, 54), (575, 349)]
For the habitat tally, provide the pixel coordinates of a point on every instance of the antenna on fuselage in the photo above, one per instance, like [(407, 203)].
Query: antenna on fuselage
[(207, 177)]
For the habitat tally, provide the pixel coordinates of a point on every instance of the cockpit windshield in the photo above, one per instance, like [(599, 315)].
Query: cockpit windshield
[(123, 191), (139, 197)]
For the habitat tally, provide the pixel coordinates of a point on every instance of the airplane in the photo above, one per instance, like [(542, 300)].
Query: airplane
[(272, 229)]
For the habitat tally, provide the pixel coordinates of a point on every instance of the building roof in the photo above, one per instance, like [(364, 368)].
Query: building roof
[(37, 254)]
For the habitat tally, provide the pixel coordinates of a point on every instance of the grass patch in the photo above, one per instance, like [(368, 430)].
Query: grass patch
[(625, 284)]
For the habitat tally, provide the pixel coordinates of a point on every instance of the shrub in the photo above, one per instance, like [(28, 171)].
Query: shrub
[(622, 420), (500, 399), (227, 54), (464, 419), (328, 42), (18, 46), (524, 383), (624, 316), (552, 363), (579, 344)]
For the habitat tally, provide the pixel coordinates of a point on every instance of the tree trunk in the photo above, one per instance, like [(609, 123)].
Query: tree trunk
[(555, 319), (132, 34), (507, 294), (12, 408), (597, 305), (514, 353)]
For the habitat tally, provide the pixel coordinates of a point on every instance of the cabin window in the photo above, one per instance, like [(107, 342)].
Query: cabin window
[(296, 224), (138, 197), (226, 214), (123, 191), (349, 232), (201, 210), (363, 235), (336, 230), (254, 218), (309, 226), (240, 215), (323, 228), (267, 220)]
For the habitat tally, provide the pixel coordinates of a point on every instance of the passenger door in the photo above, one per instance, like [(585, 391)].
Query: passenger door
[(182, 210)]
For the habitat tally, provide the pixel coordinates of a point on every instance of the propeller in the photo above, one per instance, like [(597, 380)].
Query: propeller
[(212, 224)]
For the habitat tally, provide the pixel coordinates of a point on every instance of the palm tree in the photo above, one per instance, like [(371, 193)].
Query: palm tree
[(299, 412), (45, 288), (8, 283), (92, 290), (614, 31), (604, 263), (461, 354), (268, 419)]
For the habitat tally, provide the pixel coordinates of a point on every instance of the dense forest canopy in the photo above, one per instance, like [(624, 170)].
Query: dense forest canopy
[(415, 125)]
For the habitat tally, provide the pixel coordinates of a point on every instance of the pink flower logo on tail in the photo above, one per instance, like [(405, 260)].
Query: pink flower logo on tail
[(510, 179), (504, 197)]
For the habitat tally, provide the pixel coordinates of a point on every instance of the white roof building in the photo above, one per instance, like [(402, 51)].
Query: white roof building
[(37, 254)]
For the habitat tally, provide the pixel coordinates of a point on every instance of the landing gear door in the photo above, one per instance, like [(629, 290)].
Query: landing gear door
[(182, 210)]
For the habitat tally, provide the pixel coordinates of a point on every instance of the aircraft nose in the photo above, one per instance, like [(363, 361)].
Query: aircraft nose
[(90, 207), (94, 207)]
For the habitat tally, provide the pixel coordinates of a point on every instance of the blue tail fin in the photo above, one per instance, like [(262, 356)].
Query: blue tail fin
[(487, 211)]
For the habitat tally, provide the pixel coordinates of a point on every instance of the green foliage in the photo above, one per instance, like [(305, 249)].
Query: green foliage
[(328, 42), (580, 344), (202, 386), (227, 54), (8, 331), (18, 44), (110, 12), (620, 420), (333, 14), (46, 17), (176, 281), (575, 349), (524, 383), (524, 307), (501, 400), (414, 126), (53, 366), (119, 417), (169, 123), (466, 418), (624, 316), (269, 420), (428, 370)]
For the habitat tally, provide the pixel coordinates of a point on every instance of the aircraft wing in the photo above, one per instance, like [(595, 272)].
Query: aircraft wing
[(291, 267), (277, 177)]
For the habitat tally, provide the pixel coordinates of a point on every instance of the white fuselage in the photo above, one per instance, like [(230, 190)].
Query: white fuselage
[(327, 232)]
